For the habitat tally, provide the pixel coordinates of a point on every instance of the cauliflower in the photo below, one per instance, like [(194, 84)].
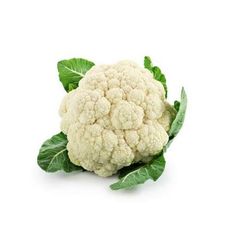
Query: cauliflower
[(117, 116), (114, 118)]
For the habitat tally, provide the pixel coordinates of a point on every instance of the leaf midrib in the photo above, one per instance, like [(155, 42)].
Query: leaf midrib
[(74, 71), (133, 172), (63, 150)]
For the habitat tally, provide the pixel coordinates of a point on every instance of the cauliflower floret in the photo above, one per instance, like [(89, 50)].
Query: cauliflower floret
[(153, 137), (117, 116), (167, 116), (126, 115)]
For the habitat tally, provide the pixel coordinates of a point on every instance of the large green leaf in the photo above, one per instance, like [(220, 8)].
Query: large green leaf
[(178, 122), (53, 155), (72, 71), (157, 74), (179, 119), (125, 170), (141, 174)]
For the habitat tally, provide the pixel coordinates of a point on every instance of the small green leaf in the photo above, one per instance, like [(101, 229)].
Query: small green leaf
[(162, 79), (53, 155), (72, 86), (148, 63), (157, 74), (72, 71), (177, 105), (139, 175)]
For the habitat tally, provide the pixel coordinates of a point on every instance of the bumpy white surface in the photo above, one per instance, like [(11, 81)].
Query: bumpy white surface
[(117, 116)]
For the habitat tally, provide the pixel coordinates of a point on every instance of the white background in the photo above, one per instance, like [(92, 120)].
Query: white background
[(193, 42)]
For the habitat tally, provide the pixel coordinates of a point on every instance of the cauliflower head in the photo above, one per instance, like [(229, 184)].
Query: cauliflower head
[(117, 116)]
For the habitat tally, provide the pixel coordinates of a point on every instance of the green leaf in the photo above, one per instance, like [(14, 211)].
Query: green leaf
[(125, 170), (162, 79), (179, 119), (53, 155), (148, 63), (72, 71), (177, 105), (157, 74), (139, 175), (178, 122)]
